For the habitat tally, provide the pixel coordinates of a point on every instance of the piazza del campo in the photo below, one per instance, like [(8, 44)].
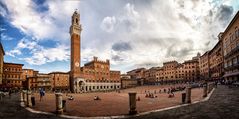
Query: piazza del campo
[(191, 83)]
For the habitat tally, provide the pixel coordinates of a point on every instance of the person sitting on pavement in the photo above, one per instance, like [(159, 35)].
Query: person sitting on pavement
[(71, 98), (171, 95), (151, 95), (96, 98), (138, 99)]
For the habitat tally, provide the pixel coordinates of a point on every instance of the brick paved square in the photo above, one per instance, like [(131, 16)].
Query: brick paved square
[(113, 103)]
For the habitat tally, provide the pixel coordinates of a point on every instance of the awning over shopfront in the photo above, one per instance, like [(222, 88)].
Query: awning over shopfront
[(231, 74)]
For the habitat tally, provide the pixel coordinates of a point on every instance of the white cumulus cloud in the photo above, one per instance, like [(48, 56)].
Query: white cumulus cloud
[(130, 33), (108, 24)]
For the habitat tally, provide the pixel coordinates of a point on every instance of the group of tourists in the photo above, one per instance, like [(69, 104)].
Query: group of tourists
[(150, 95), (177, 88), (170, 91)]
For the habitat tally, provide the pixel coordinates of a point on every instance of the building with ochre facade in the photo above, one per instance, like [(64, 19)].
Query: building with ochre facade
[(230, 41), (2, 53)]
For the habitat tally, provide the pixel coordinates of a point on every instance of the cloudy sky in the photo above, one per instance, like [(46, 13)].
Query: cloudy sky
[(131, 33)]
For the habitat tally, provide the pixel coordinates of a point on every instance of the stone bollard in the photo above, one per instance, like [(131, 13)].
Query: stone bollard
[(29, 102), (188, 94), (33, 101), (59, 109), (1, 96), (205, 90), (209, 87), (183, 98), (212, 86), (21, 96), (132, 103), (64, 105), (215, 85), (25, 97)]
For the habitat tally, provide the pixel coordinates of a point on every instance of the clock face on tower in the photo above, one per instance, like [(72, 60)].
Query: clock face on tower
[(77, 64)]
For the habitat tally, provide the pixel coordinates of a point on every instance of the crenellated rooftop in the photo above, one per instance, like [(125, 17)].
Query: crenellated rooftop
[(95, 60)]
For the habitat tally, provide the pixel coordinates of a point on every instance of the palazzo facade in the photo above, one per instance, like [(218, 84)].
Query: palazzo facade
[(94, 75)]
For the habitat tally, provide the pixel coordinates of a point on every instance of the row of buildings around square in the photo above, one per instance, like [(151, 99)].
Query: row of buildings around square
[(93, 76), (221, 62), (17, 77)]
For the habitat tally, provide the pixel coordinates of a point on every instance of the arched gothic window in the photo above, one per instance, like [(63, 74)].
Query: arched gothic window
[(76, 21)]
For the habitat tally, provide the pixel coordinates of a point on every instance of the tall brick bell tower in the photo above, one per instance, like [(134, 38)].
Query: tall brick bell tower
[(75, 33)]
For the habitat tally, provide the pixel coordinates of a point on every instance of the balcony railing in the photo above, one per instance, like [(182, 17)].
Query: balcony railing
[(234, 66), (233, 51)]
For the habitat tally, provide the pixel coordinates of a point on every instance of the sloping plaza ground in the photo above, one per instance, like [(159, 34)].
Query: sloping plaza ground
[(114, 103), (10, 109), (223, 104)]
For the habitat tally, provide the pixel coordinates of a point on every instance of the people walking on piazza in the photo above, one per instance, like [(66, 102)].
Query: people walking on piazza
[(42, 93)]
